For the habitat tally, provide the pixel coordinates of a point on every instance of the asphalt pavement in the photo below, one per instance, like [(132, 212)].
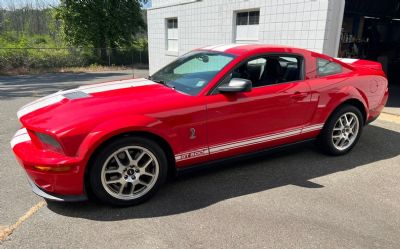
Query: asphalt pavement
[(294, 198)]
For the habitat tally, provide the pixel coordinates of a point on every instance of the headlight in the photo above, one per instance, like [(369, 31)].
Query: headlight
[(49, 142)]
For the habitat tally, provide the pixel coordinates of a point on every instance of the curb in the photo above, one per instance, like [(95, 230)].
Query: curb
[(389, 117), (392, 114)]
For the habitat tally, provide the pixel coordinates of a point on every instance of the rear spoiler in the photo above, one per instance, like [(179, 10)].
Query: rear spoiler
[(357, 63)]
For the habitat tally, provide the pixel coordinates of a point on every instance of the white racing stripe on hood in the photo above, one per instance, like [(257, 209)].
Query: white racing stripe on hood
[(39, 104), (21, 132), (95, 88), (20, 137), (104, 87)]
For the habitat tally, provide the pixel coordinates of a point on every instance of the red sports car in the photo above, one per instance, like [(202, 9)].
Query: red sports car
[(118, 140)]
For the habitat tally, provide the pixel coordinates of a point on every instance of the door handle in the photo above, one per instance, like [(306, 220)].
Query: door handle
[(299, 95)]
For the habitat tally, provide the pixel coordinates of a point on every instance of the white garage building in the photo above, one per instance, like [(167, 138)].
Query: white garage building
[(178, 26)]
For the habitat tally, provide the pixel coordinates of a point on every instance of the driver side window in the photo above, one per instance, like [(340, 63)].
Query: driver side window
[(269, 70), (252, 70)]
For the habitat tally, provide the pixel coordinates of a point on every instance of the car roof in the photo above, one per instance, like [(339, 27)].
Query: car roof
[(242, 49)]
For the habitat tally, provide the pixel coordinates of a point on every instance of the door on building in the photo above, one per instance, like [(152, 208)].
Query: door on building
[(371, 30)]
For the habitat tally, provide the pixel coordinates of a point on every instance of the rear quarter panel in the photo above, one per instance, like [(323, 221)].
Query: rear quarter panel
[(368, 86)]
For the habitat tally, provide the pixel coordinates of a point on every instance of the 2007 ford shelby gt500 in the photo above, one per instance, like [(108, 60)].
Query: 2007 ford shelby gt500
[(119, 139)]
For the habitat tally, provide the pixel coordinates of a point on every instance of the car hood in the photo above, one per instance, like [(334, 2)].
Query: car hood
[(63, 110)]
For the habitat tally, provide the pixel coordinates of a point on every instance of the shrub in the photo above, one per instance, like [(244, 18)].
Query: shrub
[(41, 52)]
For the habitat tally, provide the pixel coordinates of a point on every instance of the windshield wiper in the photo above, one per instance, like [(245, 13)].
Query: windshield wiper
[(157, 81), (161, 82)]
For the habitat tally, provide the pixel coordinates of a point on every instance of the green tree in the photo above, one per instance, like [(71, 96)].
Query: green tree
[(100, 23)]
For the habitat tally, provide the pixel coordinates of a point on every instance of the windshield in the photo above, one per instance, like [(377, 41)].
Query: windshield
[(193, 71)]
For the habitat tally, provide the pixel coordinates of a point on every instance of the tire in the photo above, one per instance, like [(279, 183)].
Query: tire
[(134, 164), (338, 137)]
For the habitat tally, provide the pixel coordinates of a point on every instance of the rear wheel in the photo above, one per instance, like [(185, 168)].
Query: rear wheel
[(128, 171), (342, 131)]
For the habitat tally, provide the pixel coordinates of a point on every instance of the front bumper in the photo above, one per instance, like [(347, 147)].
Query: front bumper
[(63, 179), (55, 197)]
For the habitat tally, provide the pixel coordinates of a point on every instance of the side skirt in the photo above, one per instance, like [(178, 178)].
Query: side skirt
[(223, 161)]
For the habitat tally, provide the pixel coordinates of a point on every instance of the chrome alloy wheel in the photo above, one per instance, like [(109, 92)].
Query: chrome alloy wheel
[(130, 172), (345, 131)]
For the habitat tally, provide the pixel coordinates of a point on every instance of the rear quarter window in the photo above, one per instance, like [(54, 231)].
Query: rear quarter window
[(326, 67)]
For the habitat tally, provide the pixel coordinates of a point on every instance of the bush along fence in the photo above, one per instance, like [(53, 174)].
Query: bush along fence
[(47, 58)]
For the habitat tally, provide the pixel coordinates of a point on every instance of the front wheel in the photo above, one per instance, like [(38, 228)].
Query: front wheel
[(342, 131), (128, 171)]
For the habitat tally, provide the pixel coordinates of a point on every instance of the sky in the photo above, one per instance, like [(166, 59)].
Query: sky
[(19, 3)]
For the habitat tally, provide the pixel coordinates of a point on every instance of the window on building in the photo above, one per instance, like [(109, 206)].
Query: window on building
[(247, 23), (326, 67), (172, 34)]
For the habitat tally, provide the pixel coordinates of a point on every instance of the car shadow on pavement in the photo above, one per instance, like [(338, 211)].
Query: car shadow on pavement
[(295, 165), (44, 84)]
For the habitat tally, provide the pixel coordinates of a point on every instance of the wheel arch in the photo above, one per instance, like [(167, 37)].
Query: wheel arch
[(354, 102), (165, 146), (325, 137)]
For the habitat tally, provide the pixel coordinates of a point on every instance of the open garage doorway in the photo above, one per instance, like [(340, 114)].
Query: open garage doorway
[(371, 30)]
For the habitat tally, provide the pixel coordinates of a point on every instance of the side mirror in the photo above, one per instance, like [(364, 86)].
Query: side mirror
[(236, 85)]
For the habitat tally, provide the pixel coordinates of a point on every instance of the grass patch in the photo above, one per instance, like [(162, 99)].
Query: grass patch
[(91, 68)]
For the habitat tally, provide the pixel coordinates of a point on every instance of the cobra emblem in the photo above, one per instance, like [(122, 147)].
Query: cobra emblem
[(192, 133)]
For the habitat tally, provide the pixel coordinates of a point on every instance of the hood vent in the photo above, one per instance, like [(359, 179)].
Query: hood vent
[(76, 95)]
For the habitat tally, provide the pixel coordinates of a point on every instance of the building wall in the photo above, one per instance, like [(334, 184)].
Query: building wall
[(333, 27), (308, 24)]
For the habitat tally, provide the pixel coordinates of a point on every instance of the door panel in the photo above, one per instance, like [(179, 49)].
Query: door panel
[(243, 122), (187, 117)]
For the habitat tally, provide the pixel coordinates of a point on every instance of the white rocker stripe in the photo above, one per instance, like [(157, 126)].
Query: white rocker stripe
[(192, 154), (20, 137), (214, 149), (312, 128), (94, 88), (258, 140)]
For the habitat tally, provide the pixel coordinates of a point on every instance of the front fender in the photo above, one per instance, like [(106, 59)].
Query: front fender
[(120, 125)]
